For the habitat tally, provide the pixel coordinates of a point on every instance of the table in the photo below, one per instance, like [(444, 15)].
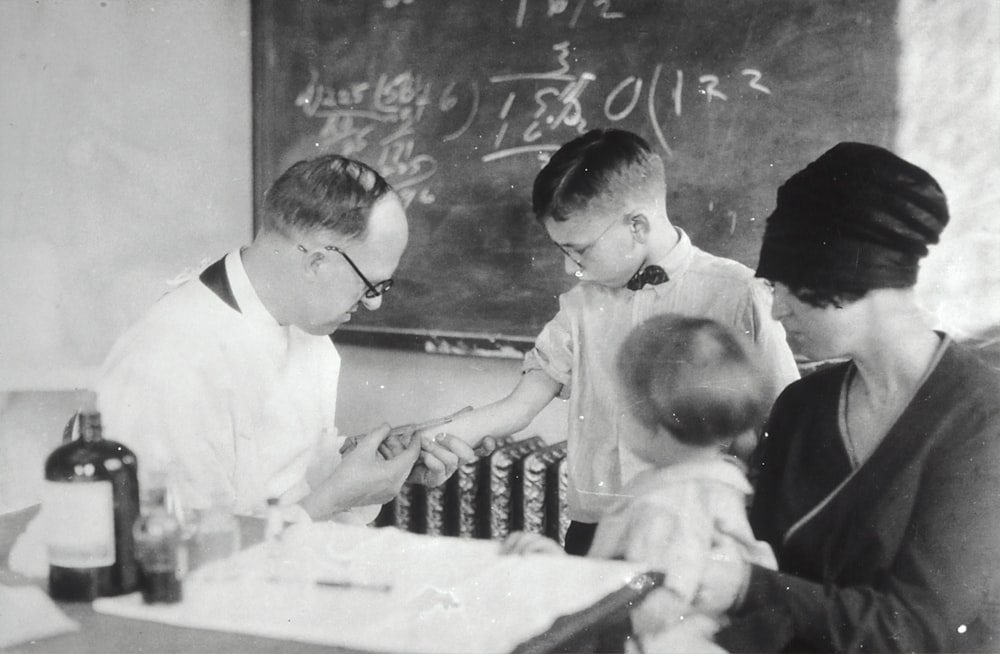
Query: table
[(601, 626)]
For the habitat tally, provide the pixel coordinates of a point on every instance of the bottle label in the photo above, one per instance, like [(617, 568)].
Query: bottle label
[(79, 524)]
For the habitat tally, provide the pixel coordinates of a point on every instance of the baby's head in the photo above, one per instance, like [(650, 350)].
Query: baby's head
[(693, 378)]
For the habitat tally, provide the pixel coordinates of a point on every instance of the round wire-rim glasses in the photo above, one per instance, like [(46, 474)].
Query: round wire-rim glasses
[(582, 252)]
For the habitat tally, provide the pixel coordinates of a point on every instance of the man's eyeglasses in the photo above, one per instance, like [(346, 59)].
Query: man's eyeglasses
[(374, 290)]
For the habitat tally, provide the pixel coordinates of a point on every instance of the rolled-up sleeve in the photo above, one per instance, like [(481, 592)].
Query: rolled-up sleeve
[(553, 353)]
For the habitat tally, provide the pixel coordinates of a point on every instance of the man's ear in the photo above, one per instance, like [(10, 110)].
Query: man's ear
[(313, 262), (639, 224)]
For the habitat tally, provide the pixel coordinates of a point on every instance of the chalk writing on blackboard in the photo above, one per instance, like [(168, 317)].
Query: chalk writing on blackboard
[(378, 119), (460, 104), (558, 7)]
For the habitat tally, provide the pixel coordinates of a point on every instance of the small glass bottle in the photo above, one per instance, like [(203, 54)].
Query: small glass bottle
[(90, 501), (158, 547)]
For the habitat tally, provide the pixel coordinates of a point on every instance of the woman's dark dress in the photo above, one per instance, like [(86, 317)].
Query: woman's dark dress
[(901, 554)]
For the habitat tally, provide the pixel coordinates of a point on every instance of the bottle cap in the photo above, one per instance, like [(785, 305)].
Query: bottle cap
[(87, 402)]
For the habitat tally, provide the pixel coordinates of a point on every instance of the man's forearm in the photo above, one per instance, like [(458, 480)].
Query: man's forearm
[(325, 502)]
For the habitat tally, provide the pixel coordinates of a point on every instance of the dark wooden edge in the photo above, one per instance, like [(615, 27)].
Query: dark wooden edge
[(589, 630), (497, 346), (262, 141)]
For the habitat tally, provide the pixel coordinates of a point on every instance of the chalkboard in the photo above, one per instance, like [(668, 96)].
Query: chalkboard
[(460, 103)]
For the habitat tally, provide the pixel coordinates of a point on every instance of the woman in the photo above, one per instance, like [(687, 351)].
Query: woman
[(878, 480)]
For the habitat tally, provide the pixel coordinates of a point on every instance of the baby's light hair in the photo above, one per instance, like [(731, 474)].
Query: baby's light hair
[(694, 377)]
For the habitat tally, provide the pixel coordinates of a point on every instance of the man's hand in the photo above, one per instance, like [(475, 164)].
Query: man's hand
[(363, 476)]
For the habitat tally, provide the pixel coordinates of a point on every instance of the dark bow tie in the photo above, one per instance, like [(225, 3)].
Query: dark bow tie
[(649, 275)]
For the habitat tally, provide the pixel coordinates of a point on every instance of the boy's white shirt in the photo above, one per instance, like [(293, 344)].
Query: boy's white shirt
[(259, 398), (577, 348)]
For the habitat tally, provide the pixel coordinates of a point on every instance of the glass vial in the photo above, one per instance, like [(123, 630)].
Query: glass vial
[(217, 535), (158, 548)]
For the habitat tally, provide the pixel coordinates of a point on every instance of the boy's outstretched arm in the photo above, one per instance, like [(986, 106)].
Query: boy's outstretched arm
[(533, 392)]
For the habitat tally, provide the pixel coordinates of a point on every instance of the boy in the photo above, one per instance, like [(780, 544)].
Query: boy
[(695, 386), (601, 199)]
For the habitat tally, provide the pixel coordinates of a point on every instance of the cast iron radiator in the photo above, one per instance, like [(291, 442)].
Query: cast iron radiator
[(520, 487)]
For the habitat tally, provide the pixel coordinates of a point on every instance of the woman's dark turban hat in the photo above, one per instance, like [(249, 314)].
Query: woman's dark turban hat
[(857, 218)]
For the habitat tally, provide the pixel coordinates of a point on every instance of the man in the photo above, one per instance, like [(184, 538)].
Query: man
[(229, 382)]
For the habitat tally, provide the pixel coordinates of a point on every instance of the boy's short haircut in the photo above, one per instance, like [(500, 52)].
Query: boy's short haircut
[(603, 165), (694, 377), (327, 193)]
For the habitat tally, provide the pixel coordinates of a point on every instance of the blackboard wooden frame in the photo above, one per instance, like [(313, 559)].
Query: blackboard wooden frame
[(765, 86), (498, 346)]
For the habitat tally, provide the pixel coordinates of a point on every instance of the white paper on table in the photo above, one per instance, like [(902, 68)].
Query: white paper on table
[(28, 556), (27, 614), (447, 594)]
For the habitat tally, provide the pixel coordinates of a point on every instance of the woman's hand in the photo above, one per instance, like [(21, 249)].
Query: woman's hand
[(723, 583)]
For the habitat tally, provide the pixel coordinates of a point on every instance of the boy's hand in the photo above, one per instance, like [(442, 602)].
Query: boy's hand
[(485, 447), (439, 458), (521, 542)]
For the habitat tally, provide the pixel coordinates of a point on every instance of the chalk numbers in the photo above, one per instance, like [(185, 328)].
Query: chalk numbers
[(557, 100), (754, 82), (571, 9), (379, 119)]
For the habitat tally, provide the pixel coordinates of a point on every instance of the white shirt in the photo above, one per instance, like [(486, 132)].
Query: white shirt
[(675, 520), (670, 518), (233, 406), (577, 348)]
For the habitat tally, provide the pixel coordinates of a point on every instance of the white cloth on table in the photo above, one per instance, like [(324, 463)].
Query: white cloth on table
[(28, 556), (411, 594), (27, 614)]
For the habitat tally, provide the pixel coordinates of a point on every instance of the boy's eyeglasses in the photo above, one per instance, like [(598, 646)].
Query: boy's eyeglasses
[(582, 252), (374, 290)]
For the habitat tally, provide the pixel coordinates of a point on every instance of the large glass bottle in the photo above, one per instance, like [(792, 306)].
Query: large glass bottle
[(90, 503)]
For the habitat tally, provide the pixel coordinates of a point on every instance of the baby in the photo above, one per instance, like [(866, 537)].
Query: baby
[(695, 383)]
